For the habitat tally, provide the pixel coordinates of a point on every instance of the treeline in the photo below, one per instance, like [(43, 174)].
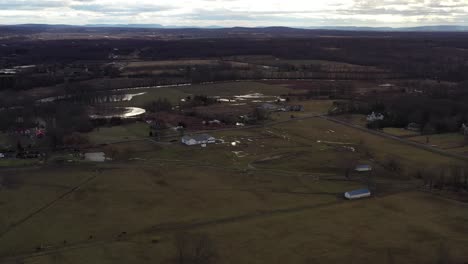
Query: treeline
[(417, 56), (445, 179), (61, 120), (433, 115)]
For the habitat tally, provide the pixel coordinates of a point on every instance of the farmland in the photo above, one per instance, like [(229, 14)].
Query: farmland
[(287, 175), (280, 119)]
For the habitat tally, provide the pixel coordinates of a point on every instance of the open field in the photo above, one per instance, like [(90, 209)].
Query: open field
[(400, 132), (355, 119), (228, 89), (271, 187), (442, 141), (106, 135), (321, 64), (3, 139), (283, 185)]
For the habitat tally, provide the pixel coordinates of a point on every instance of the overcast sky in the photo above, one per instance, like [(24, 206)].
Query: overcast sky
[(299, 13)]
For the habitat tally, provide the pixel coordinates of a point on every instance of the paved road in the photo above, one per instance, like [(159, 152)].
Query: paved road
[(401, 140)]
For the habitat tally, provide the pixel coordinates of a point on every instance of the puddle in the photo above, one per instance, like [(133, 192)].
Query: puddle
[(95, 156), (240, 154), (123, 112), (251, 96), (98, 99)]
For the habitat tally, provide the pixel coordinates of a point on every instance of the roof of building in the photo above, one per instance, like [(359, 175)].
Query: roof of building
[(198, 137), (363, 167), (268, 106), (414, 125), (359, 192)]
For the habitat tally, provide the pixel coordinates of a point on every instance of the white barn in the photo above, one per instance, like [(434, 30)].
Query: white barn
[(198, 139)]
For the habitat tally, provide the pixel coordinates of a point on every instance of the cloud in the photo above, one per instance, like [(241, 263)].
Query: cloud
[(238, 12), (30, 5), (127, 8)]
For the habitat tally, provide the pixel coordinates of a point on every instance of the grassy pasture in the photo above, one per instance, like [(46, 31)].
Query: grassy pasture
[(235, 88), (320, 129), (4, 139), (175, 94), (275, 196), (106, 135), (400, 132), (356, 119), (443, 141)]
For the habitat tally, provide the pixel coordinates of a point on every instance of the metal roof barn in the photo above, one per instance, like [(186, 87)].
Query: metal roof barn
[(357, 194), (363, 168)]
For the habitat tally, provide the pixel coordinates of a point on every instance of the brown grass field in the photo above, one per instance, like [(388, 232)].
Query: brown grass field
[(275, 197)]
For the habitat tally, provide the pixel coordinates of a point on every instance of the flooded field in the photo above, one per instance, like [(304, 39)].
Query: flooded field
[(119, 112)]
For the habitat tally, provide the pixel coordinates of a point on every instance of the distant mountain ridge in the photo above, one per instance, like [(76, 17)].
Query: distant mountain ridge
[(436, 28)]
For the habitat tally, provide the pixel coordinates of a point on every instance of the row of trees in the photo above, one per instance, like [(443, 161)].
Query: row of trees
[(434, 115)]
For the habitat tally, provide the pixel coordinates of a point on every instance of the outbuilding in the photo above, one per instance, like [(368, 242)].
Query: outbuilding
[(198, 139), (363, 168), (357, 194)]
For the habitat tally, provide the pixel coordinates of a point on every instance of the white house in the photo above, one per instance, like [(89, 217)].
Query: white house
[(375, 117), (357, 194), (198, 139), (464, 129)]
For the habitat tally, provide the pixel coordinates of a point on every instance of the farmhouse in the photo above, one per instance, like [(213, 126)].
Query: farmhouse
[(198, 139), (295, 108), (357, 194), (414, 127), (375, 117), (363, 168), (464, 129)]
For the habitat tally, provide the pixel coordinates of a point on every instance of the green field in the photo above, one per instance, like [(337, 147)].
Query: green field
[(443, 141), (400, 132), (106, 135), (356, 119), (4, 140)]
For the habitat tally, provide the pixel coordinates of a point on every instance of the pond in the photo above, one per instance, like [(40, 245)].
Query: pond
[(95, 156), (119, 112), (96, 98)]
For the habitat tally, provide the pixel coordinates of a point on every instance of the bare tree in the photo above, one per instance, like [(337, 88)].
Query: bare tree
[(10, 182), (443, 254), (195, 249)]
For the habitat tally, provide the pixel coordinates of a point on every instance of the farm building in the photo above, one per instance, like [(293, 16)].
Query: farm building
[(414, 127), (294, 108), (375, 117), (270, 107), (198, 139), (464, 129), (363, 168), (357, 194)]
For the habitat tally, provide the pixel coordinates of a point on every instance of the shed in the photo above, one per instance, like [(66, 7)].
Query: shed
[(414, 127), (357, 194), (363, 168), (270, 107)]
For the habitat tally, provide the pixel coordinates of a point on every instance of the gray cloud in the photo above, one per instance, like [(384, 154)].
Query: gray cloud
[(127, 9), (409, 8), (30, 5), (360, 12)]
